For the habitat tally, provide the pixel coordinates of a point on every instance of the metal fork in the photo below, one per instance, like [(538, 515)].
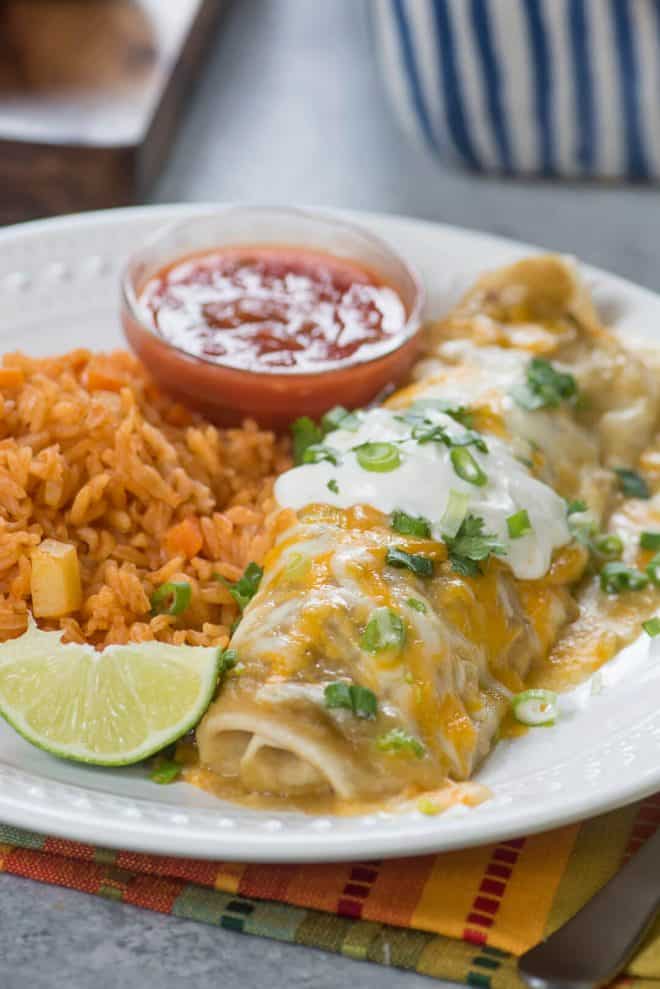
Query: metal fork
[(598, 942)]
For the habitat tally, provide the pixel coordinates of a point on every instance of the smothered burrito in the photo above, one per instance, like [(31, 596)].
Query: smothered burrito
[(428, 557)]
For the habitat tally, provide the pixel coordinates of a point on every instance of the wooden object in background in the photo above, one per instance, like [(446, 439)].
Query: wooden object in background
[(90, 93)]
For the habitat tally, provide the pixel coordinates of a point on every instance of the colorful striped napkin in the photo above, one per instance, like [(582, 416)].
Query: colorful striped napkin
[(463, 916)]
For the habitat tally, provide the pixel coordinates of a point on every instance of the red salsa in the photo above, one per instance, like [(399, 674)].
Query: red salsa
[(270, 333), (278, 309)]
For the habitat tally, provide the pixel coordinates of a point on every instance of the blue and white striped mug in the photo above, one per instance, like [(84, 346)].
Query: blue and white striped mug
[(548, 87)]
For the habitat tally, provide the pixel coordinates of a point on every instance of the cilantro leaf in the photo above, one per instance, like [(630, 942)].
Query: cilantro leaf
[(470, 545), (410, 525), (305, 433), (632, 484), (545, 387), (421, 566), (360, 700)]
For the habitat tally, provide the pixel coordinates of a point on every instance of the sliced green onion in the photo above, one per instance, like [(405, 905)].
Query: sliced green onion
[(167, 771), (333, 486), (364, 702), (469, 438), (426, 432), (410, 525), (632, 484), (247, 586), (384, 630), (650, 540), (460, 413), (360, 700), (316, 453), (227, 659), (338, 695), (399, 741), (454, 513), (617, 577), (535, 707), (518, 524), (575, 506), (426, 806), (297, 567), (420, 565), (653, 570), (583, 529), (608, 545), (417, 605), (467, 467), (171, 598), (378, 457), (525, 398), (652, 627), (339, 418)]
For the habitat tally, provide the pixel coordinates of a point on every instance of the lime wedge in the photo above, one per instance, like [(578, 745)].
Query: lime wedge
[(109, 708)]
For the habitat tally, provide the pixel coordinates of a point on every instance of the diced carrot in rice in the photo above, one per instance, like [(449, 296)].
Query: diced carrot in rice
[(178, 415), (184, 538), (99, 380), (11, 377)]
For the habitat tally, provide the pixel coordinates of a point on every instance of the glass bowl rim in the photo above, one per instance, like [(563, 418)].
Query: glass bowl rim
[(412, 325)]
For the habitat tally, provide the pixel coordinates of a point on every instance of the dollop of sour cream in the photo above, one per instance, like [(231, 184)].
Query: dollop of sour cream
[(422, 483)]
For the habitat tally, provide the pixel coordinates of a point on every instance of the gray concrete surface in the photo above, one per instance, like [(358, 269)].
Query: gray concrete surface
[(290, 109), (52, 938)]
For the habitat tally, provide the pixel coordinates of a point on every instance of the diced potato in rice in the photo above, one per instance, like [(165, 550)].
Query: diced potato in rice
[(55, 582)]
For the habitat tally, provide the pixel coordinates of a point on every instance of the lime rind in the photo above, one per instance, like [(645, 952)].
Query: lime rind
[(109, 708)]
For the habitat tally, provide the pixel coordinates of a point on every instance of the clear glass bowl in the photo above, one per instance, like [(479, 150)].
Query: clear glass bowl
[(227, 395)]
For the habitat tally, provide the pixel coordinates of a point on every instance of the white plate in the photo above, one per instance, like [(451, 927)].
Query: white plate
[(59, 289)]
